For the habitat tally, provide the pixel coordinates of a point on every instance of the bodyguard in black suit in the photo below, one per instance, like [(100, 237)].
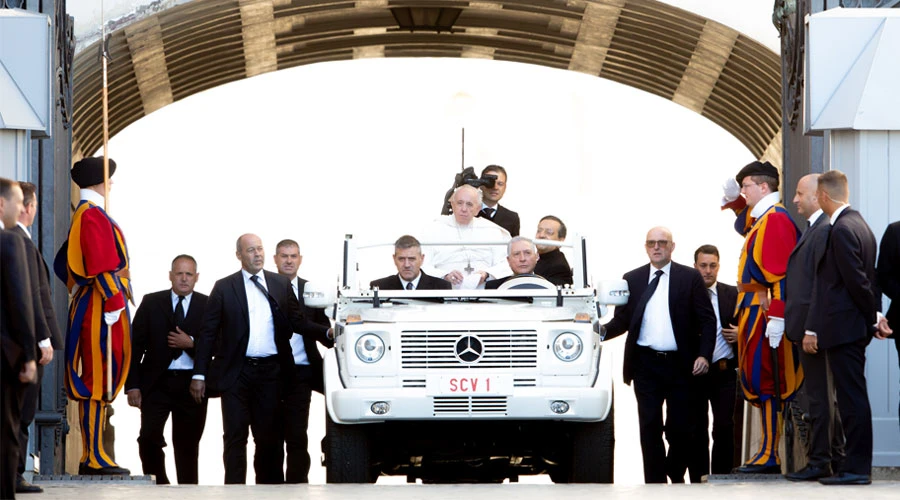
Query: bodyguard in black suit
[(162, 363), (17, 344), (716, 389), (490, 206), (826, 440), (553, 264), (408, 258), (308, 375), (249, 320), (889, 274), (46, 331), (843, 317), (671, 335)]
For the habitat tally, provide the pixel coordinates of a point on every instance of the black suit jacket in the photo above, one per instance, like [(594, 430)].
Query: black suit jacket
[(800, 280), (150, 351), (727, 298), (320, 320), (889, 272), (16, 306), (846, 301), (45, 326), (505, 218), (426, 282), (554, 267), (691, 312), (226, 330)]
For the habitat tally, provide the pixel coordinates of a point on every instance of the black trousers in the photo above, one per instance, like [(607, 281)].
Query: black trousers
[(171, 395), (660, 378), (848, 367), (826, 440), (11, 396), (717, 389), (254, 403), (296, 414), (29, 409)]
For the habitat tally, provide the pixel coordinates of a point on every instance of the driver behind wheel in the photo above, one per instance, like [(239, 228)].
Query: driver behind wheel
[(522, 255)]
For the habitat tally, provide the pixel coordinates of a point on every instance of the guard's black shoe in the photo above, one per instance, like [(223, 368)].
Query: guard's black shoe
[(23, 486), (809, 473), (84, 470), (758, 469), (847, 478)]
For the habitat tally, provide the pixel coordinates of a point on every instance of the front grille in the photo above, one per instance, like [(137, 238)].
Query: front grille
[(437, 349), (469, 405)]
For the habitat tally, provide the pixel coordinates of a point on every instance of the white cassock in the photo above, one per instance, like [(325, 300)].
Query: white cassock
[(467, 259)]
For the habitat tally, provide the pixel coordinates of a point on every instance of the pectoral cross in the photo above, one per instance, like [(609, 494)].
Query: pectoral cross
[(468, 269)]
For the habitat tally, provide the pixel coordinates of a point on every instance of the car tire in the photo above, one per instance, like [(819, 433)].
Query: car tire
[(348, 454), (593, 452)]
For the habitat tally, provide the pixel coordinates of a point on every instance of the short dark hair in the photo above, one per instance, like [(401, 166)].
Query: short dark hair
[(287, 243), (406, 241), (765, 179), (494, 168), (28, 190), (6, 186), (708, 250), (562, 225), (186, 257), (835, 185)]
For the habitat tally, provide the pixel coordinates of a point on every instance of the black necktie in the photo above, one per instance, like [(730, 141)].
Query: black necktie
[(409, 286), (642, 303), (272, 304), (179, 322), (488, 212)]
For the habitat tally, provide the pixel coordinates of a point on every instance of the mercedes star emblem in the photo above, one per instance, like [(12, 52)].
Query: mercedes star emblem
[(469, 349)]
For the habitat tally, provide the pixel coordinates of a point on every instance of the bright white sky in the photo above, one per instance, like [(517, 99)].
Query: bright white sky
[(369, 148)]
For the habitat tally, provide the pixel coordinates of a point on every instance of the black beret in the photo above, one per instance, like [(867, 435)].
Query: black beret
[(89, 171), (757, 168)]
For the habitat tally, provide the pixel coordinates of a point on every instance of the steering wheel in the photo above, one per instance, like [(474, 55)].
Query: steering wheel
[(527, 281)]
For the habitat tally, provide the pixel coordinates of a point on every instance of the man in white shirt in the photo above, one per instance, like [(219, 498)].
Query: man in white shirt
[(307, 369), (466, 266)]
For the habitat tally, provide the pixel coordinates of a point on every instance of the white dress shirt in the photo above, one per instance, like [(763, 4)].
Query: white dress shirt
[(723, 348), (656, 325), (183, 362), (297, 346), (415, 281), (262, 325)]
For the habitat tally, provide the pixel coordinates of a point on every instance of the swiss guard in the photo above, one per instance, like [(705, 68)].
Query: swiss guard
[(769, 368), (94, 264)]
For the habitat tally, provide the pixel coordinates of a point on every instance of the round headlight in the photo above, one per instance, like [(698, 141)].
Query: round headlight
[(369, 348), (567, 346)]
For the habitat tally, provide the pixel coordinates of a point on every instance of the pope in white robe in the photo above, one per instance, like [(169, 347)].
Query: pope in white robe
[(466, 266)]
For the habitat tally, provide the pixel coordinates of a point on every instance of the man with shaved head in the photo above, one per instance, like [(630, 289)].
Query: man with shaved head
[(826, 440), (466, 265), (249, 320), (671, 329)]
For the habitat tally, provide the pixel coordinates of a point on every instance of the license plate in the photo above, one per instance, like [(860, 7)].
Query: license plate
[(469, 385)]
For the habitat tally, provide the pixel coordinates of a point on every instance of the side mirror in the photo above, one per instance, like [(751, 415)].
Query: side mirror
[(317, 296), (613, 292)]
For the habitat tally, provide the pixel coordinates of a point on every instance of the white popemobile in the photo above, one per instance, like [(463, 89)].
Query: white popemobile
[(469, 385)]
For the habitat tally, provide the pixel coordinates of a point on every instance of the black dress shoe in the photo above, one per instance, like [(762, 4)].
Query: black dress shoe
[(23, 486), (758, 469), (84, 470), (809, 473), (847, 478)]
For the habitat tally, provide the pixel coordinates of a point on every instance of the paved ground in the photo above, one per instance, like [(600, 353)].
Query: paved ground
[(768, 489)]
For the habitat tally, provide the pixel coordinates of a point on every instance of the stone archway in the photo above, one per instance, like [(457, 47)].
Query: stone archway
[(160, 57)]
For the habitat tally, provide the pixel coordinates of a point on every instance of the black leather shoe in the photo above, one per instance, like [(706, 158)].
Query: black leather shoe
[(758, 469), (809, 473), (84, 470), (847, 478), (23, 486)]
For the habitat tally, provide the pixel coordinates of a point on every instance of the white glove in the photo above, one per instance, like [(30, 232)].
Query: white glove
[(110, 318), (774, 331), (731, 190)]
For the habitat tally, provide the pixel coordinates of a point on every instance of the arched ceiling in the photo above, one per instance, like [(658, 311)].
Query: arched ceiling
[(162, 57)]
